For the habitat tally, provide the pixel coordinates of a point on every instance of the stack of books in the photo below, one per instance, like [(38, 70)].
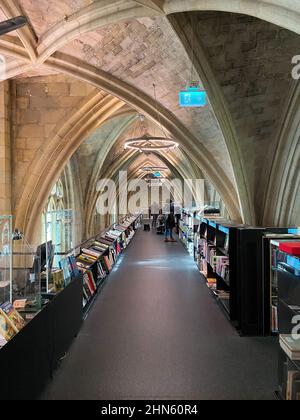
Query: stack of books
[(291, 346), (222, 266), (11, 323), (212, 283)]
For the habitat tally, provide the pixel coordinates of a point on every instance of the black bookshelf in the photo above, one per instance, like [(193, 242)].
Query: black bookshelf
[(221, 240), (253, 283), (271, 277), (288, 300), (245, 292)]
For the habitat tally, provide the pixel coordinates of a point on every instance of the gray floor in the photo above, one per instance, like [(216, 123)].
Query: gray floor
[(156, 332)]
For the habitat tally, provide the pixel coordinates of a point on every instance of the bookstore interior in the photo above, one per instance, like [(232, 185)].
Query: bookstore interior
[(99, 100)]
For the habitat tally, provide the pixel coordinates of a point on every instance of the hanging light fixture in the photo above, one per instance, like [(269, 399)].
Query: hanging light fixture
[(154, 168), (148, 143)]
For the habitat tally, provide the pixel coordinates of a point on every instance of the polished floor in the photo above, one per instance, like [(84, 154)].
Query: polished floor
[(156, 332)]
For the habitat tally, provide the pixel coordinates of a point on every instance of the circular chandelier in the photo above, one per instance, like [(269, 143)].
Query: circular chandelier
[(151, 144), (154, 169)]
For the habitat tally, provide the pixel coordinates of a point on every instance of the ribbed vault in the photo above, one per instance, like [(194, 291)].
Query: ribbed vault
[(148, 41)]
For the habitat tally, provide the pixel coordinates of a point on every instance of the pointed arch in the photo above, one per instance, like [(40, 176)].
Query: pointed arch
[(48, 165)]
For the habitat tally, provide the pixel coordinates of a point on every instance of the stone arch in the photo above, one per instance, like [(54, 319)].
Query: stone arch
[(104, 13), (282, 203), (278, 12), (48, 165), (102, 155)]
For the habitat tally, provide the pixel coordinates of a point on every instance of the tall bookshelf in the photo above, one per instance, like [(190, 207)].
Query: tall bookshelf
[(234, 262), (271, 243), (188, 227), (253, 284), (216, 259), (288, 268)]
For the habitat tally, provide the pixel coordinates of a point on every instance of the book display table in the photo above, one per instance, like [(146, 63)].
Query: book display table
[(30, 358)]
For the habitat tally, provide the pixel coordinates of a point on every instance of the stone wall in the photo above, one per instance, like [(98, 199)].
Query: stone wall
[(41, 104), (251, 62)]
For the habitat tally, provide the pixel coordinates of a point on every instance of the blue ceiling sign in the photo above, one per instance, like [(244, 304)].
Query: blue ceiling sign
[(193, 97)]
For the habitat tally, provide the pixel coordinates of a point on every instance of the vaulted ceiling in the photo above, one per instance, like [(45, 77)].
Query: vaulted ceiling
[(240, 51)]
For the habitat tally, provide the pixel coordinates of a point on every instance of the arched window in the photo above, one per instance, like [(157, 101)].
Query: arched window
[(53, 220)]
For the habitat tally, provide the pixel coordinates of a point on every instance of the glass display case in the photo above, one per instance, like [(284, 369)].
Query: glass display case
[(58, 237), (26, 278), (5, 259)]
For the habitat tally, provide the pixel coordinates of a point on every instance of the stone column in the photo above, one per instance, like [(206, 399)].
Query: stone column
[(5, 150)]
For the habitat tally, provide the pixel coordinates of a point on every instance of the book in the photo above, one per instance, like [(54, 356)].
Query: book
[(64, 265), (87, 258), (91, 252), (92, 281), (58, 280), (86, 280), (105, 242), (101, 245), (2, 341), (73, 265), (83, 265), (107, 263), (7, 328), (13, 315), (275, 325), (86, 290), (101, 271), (20, 304), (104, 266), (290, 346), (293, 375), (296, 390)]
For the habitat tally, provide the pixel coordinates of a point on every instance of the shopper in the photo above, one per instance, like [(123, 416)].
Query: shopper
[(155, 212), (170, 224), (161, 223)]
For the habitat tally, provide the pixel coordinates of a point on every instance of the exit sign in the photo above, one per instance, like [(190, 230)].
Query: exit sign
[(193, 97)]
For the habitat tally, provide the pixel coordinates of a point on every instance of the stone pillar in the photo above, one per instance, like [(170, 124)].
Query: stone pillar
[(5, 150)]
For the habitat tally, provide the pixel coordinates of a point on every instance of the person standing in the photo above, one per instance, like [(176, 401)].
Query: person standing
[(170, 224), (155, 212)]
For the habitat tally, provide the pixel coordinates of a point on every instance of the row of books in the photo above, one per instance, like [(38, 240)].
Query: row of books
[(219, 263), (67, 272), (11, 323), (222, 266), (274, 319), (291, 346), (99, 256)]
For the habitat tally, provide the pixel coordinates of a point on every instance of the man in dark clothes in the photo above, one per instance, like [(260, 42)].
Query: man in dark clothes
[(170, 224)]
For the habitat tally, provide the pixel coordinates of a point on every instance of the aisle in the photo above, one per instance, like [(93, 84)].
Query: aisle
[(157, 333)]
